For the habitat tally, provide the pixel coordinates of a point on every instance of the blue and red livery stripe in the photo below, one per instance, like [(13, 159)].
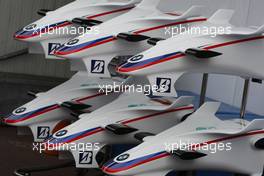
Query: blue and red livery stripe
[(22, 34), (152, 61), (129, 67), (74, 137), (114, 167), (33, 114), (77, 136), (110, 12), (65, 50), (74, 49), (19, 118)]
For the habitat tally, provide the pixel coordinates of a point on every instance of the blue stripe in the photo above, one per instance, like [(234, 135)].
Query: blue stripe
[(113, 165), (83, 45), (38, 30), (54, 140), (22, 116), (148, 61)]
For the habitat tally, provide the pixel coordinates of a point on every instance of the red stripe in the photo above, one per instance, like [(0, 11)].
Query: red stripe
[(69, 23), (45, 31), (171, 24), (234, 42), (34, 115), (156, 114), (228, 138), (124, 70), (51, 109), (89, 97), (163, 101), (74, 139), (137, 32), (85, 135), (109, 170), (130, 121), (86, 47), (110, 12), (173, 14)]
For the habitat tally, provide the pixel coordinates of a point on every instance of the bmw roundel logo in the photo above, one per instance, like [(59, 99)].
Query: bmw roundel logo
[(30, 27), (136, 58), (61, 133), (123, 157), (73, 42), (20, 110)]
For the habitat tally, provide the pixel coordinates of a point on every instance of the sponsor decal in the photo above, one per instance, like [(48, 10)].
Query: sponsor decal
[(205, 128), (20, 110), (163, 85), (43, 132), (52, 47), (86, 157), (136, 105), (30, 27), (122, 157), (98, 66), (136, 58), (61, 133), (72, 42)]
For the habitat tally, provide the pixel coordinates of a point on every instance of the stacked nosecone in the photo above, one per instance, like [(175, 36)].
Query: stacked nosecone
[(82, 112)]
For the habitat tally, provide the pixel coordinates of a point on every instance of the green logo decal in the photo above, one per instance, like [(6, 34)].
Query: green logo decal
[(205, 128)]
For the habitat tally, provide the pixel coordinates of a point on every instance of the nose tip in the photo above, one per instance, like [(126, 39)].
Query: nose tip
[(105, 168), (109, 167), (4, 120), (62, 51), (58, 53), (23, 35), (122, 69), (8, 119), (119, 69), (17, 35)]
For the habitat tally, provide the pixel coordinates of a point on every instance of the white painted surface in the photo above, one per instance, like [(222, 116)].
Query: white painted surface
[(227, 89), (17, 13)]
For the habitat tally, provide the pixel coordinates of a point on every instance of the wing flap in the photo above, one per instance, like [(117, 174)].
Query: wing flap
[(132, 37), (187, 155), (154, 41), (201, 53), (33, 93), (86, 22), (75, 106), (43, 12), (120, 129), (260, 144)]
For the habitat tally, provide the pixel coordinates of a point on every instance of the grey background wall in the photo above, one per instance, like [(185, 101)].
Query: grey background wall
[(17, 13)]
